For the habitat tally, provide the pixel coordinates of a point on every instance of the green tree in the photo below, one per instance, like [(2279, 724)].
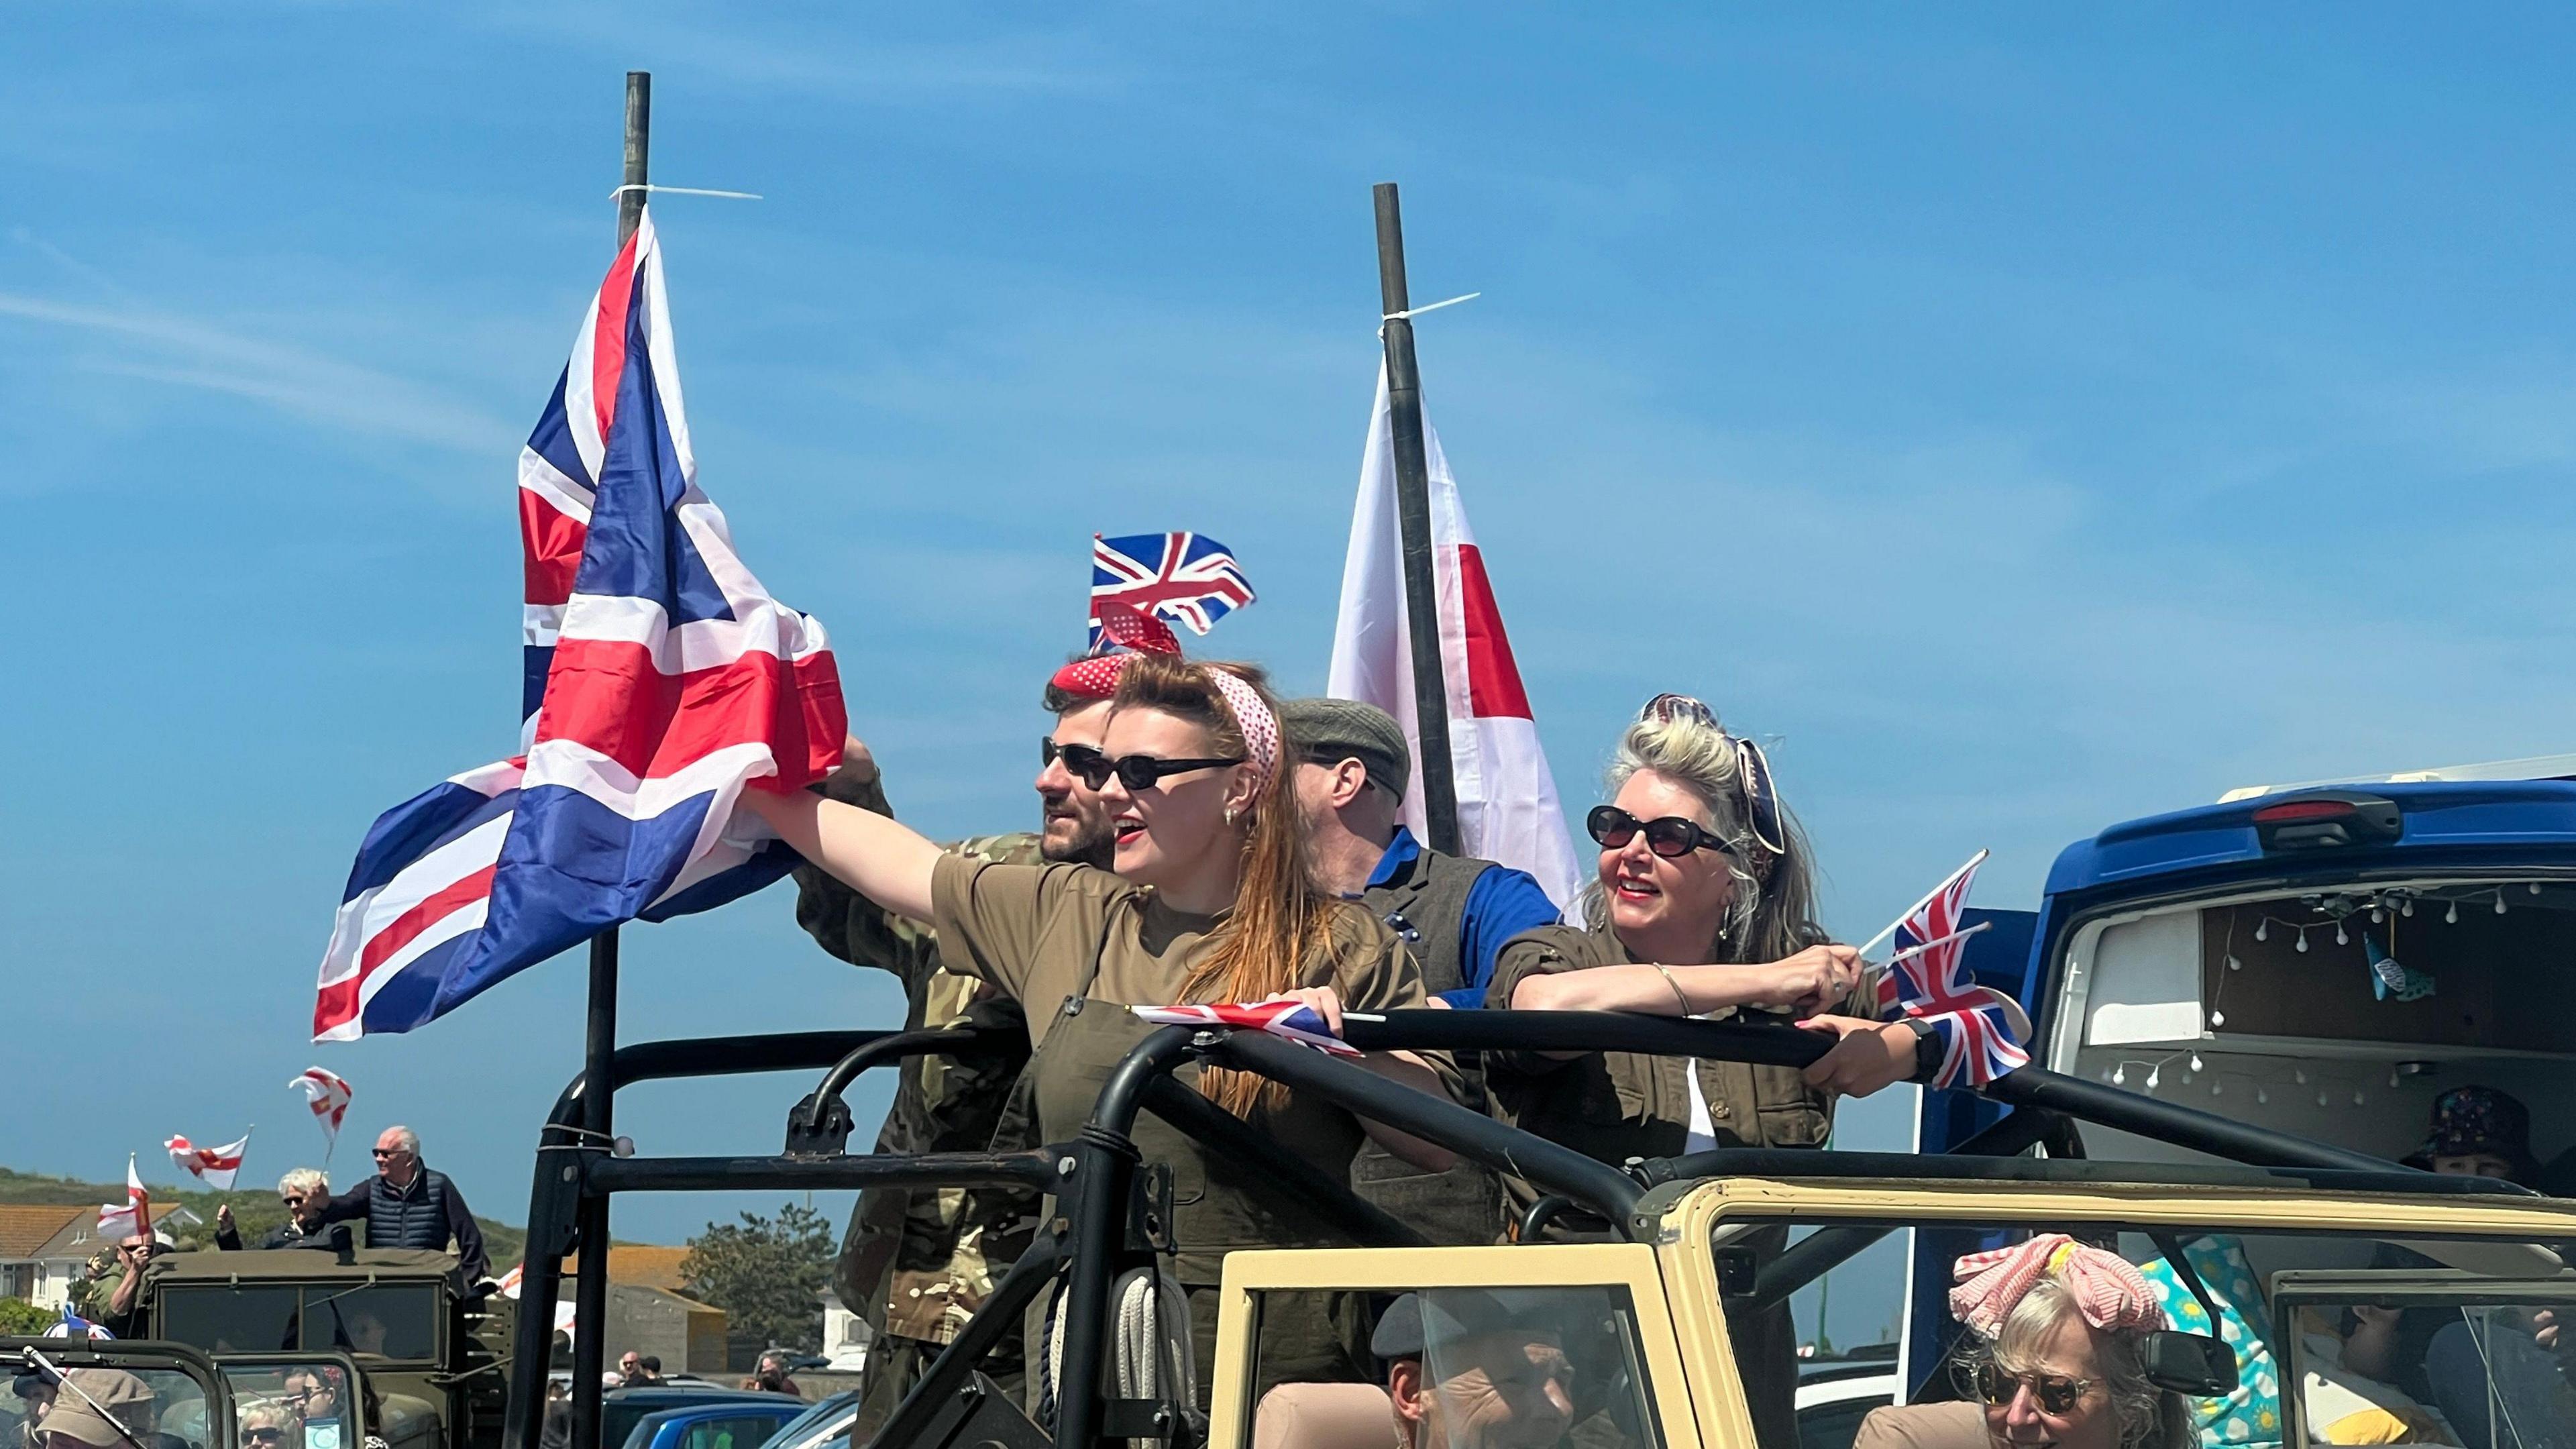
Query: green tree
[(20, 1318), (767, 1274)]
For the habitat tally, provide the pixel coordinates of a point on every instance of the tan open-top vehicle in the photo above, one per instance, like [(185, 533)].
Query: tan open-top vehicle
[(2266, 1244)]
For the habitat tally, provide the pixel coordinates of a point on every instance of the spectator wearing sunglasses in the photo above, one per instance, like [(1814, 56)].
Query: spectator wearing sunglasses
[(268, 1424), (916, 1263), (1209, 900), (2054, 1355), (1453, 913), (304, 1192), (1703, 906), (407, 1204)]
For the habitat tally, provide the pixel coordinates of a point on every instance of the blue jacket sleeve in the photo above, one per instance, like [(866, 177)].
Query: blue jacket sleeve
[(1500, 905)]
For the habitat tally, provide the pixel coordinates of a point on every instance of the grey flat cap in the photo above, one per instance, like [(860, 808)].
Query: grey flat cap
[(1329, 731)]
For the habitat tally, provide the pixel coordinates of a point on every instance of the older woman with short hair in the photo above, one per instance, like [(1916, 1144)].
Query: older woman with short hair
[(2055, 1355)]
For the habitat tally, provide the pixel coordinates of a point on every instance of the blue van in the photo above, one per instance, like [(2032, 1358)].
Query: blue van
[(2321, 959)]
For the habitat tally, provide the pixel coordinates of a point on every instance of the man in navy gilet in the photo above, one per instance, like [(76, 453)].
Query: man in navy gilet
[(406, 1205)]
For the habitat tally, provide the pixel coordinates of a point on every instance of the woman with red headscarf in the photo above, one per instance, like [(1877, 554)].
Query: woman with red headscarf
[(1208, 901)]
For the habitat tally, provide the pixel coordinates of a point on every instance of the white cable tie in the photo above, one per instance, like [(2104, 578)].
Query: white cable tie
[(1412, 312), (683, 191)]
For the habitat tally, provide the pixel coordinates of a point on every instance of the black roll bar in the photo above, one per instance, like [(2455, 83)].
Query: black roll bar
[(1094, 1176), (821, 1123)]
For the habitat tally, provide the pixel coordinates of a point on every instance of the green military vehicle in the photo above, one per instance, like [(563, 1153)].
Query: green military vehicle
[(379, 1348)]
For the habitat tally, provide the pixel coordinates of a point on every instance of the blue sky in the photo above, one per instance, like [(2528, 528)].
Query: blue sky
[(2027, 417)]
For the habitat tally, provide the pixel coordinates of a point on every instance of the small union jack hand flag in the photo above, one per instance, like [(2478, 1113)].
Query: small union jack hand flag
[(1186, 577), (1982, 1031), (1292, 1020)]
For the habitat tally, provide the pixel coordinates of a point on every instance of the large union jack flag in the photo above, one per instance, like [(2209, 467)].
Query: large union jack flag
[(1298, 1023), (662, 680), (1187, 577), (1982, 1030)]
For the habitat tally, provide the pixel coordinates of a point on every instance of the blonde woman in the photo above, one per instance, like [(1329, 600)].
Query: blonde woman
[(1207, 901), (1704, 905)]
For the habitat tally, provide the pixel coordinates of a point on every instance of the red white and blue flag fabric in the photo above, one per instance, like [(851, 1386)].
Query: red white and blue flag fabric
[(72, 1325), (1187, 577), (1295, 1021), (672, 680), (213, 1166), (1983, 1032)]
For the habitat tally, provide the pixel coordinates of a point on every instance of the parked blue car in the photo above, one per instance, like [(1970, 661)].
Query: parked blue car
[(738, 1423)]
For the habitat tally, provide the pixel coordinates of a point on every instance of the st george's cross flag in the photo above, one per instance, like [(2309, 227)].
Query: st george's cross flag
[(118, 1221), (1507, 804), (672, 681), (1185, 577), (216, 1167)]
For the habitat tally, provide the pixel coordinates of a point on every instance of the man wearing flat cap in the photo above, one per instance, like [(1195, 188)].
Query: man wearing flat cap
[(98, 1408), (1452, 912), (1467, 1369)]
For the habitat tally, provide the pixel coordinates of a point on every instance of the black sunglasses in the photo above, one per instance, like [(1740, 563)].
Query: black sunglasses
[(263, 1436), (1671, 837), (2054, 1393), (1136, 772)]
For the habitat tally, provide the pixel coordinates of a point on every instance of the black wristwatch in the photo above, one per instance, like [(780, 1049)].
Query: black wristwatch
[(1928, 1051)]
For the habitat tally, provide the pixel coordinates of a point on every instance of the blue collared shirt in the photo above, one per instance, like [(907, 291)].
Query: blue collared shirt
[(1501, 903)]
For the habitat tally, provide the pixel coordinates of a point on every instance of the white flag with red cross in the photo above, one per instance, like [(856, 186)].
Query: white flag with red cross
[(1507, 804)]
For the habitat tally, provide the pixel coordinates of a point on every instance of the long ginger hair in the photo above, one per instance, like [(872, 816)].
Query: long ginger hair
[(1282, 919)]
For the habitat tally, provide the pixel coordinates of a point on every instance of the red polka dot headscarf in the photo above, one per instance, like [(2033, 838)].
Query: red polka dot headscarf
[(1125, 632)]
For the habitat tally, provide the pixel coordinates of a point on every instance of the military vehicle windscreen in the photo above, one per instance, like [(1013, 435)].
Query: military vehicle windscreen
[(290, 1405), (160, 1408), (397, 1321)]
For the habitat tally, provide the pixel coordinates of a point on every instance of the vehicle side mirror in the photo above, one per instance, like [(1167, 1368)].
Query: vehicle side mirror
[(2194, 1365)]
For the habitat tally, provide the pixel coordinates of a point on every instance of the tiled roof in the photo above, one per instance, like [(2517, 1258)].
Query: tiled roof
[(643, 1264), (24, 1229)]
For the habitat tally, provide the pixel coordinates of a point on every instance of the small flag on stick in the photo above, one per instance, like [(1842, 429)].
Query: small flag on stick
[(131, 1218), (327, 1093), (214, 1166)]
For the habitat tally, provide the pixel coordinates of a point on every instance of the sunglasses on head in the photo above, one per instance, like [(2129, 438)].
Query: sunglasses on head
[(1671, 837), (2054, 1393), (1136, 772), (1761, 798)]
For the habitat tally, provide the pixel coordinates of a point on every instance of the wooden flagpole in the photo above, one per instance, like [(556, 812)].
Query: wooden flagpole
[(1413, 523), (598, 1084)]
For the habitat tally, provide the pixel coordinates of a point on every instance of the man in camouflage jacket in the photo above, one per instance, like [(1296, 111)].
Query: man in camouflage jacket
[(917, 1263)]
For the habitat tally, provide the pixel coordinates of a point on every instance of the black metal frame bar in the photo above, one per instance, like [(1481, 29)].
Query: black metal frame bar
[(1094, 1176)]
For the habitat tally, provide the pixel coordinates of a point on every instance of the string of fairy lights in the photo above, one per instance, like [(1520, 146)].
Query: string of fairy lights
[(2383, 908)]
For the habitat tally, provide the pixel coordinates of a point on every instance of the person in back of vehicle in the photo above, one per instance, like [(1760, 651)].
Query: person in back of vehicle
[(2431, 1353), (1210, 901), (1453, 913), (2053, 1357), (409, 1205), (1704, 906), (306, 1192)]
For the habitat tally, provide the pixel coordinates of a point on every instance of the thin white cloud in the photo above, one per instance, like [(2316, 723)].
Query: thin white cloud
[(302, 383)]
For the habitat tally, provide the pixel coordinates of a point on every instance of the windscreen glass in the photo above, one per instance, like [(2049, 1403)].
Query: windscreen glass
[(136, 1407), (2328, 1338), (293, 1405)]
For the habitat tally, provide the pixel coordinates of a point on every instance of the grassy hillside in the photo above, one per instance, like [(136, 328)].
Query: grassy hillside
[(255, 1207)]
